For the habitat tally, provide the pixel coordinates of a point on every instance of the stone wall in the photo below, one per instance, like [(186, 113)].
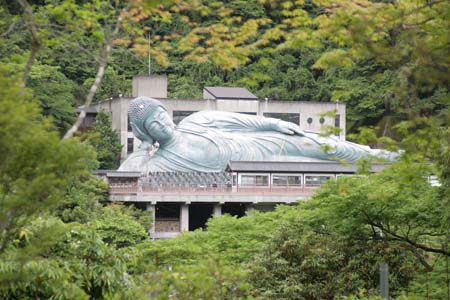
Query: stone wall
[(167, 225)]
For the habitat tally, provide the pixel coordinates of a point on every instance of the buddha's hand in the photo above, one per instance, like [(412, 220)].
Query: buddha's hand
[(145, 146), (289, 128)]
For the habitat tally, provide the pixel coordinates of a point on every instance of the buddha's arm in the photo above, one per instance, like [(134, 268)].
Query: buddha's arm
[(229, 121)]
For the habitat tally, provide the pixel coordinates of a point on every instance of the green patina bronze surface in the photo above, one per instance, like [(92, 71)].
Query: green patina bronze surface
[(206, 141)]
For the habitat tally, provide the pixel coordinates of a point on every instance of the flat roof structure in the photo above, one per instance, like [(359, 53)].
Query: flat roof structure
[(235, 93)]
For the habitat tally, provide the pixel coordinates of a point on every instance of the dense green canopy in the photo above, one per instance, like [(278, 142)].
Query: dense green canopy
[(388, 61)]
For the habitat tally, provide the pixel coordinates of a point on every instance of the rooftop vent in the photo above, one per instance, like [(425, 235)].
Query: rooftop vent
[(154, 86)]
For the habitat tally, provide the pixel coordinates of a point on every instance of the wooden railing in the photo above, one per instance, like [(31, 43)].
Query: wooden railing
[(180, 189)]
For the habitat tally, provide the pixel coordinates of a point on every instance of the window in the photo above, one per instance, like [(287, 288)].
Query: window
[(258, 180), (309, 120), (284, 180), (179, 115), (234, 180), (337, 121), (288, 117), (129, 124), (322, 120), (316, 180), (130, 145)]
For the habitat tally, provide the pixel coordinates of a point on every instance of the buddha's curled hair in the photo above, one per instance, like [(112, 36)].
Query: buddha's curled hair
[(141, 108)]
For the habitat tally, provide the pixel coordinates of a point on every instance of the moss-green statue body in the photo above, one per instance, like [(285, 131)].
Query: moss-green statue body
[(206, 141)]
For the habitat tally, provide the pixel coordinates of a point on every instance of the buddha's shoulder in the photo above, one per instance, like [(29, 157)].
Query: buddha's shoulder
[(135, 161)]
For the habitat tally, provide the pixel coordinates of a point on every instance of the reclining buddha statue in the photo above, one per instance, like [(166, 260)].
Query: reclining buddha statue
[(207, 140)]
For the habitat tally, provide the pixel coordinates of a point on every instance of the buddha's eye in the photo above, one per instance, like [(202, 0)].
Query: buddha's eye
[(154, 124)]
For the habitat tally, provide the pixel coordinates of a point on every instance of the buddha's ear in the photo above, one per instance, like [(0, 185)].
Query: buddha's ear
[(140, 135)]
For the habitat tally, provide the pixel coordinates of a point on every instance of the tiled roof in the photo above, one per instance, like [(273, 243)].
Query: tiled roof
[(291, 167), (123, 174)]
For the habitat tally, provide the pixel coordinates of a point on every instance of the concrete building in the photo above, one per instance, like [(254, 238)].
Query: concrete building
[(184, 201), (313, 116)]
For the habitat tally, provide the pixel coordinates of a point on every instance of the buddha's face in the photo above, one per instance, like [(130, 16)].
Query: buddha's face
[(159, 125)]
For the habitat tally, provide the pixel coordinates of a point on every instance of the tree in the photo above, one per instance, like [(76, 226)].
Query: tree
[(407, 39), (84, 201), (92, 28), (36, 166), (302, 263), (117, 226), (40, 256), (228, 239), (397, 207), (106, 142), (55, 94), (204, 281), (72, 262), (113, 84)]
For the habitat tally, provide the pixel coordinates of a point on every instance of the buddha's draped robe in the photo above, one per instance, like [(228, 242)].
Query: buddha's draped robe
[(208, 140)]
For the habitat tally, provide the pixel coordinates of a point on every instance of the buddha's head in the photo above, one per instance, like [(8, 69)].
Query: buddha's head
[(150, 121)]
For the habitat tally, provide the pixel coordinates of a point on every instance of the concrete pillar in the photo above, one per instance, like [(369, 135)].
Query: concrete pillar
[(217, 211), (250, 207), (184, 217), (151, 208)]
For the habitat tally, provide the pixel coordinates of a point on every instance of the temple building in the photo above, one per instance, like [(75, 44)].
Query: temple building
[(184, 201)]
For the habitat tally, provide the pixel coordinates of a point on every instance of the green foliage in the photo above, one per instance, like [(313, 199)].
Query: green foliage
[(299, 263), (106, 142), (336, 241), (87, 203), (204, 264), (206, 280), (399, 201), (387, 61), (40, 256), (36, 279), (434, 284), (55, 94), (113, 85), (117, 227), (75, 263), (96, 267), (36, 166), (406, 41), (227, 238), (84, 200)]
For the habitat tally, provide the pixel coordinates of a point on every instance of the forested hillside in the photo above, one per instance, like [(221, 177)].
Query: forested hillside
[(283, 50), (389, 61)]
